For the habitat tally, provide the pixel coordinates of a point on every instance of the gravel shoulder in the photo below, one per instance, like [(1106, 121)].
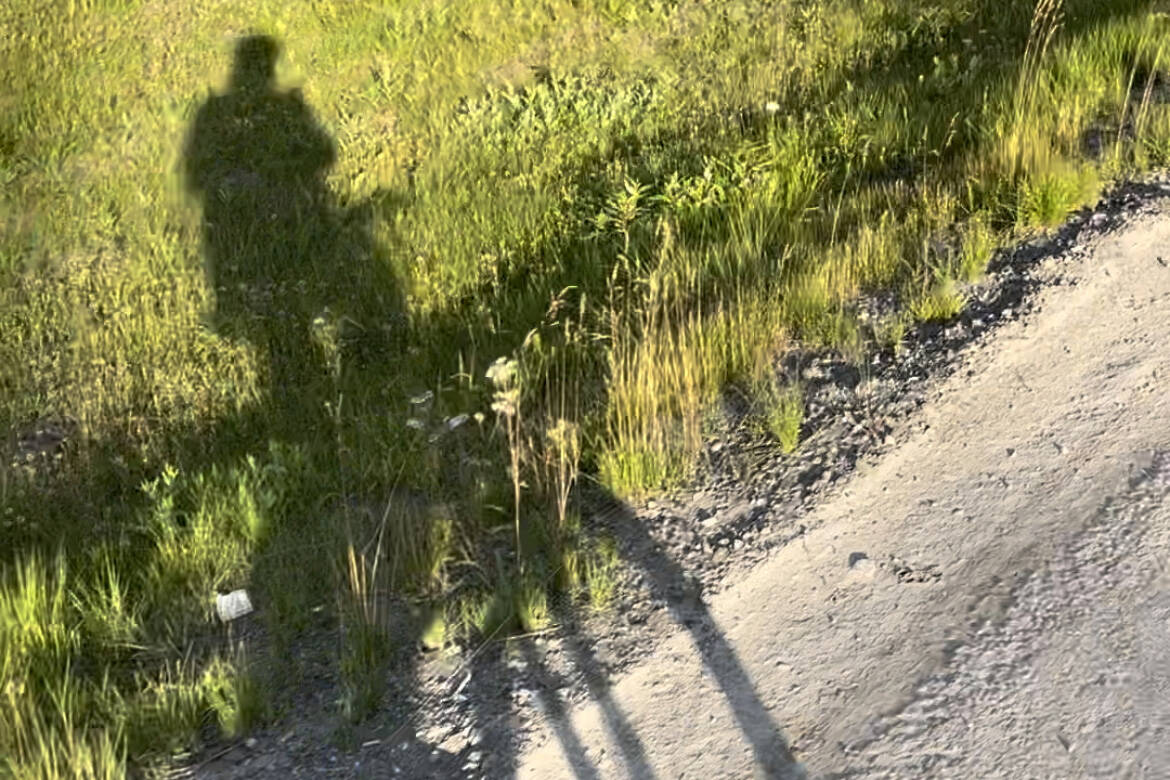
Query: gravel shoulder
[(986, 598)]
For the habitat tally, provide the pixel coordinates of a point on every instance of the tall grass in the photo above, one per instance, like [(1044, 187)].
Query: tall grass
[(632, 205)]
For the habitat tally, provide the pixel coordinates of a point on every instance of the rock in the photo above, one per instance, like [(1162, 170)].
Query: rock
[(814, 373), (456, 743), (434, 734), (861, 565)]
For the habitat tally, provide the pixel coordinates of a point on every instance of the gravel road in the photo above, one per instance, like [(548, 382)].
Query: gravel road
[(990, 598)]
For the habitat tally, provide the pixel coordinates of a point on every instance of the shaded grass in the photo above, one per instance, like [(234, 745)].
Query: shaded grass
[(284, 387)]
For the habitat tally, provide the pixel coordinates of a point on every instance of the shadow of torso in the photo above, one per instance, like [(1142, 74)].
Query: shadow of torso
[(280, 253), (259, 161)]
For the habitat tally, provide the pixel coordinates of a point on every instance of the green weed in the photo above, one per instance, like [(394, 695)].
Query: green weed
[(365, 646), (234, 696), (940, 302), (782, 413), (435, 629), (976, 248), (601, 572), (532, 609), (1046, 199), (890, 333)]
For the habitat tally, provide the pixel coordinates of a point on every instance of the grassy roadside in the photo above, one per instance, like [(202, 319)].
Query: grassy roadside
[(353, 350)]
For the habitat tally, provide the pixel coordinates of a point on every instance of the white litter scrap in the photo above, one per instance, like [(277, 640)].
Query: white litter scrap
[(232, 605)]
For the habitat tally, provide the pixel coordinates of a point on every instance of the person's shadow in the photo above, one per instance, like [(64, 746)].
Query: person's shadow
[(294, 274), (300, 283)]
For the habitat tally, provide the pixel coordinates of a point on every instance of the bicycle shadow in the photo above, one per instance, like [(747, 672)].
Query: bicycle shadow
[(681, 593)]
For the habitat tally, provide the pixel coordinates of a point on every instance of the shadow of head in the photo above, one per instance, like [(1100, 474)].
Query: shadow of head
[(255, 65)]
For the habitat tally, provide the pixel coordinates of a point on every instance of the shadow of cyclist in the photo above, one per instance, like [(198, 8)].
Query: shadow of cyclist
[(299, 278), (294, 274)]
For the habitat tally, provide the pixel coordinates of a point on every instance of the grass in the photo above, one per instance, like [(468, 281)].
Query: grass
[(939, 302), (783, 413), (263, 321)]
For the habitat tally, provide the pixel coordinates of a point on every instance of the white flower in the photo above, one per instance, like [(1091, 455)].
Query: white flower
[(501, 372), (415, 423), (771, 106)]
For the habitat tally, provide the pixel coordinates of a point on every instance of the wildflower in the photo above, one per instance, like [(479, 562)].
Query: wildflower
[(502, 372), (506, 401)]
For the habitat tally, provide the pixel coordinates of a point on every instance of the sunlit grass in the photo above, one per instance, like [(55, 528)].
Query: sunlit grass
[(634, 204)]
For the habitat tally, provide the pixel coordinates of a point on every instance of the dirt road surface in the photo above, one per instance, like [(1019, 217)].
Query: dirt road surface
[(990, 599)]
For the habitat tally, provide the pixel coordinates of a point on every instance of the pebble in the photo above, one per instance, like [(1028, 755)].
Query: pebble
[(862, 565)]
